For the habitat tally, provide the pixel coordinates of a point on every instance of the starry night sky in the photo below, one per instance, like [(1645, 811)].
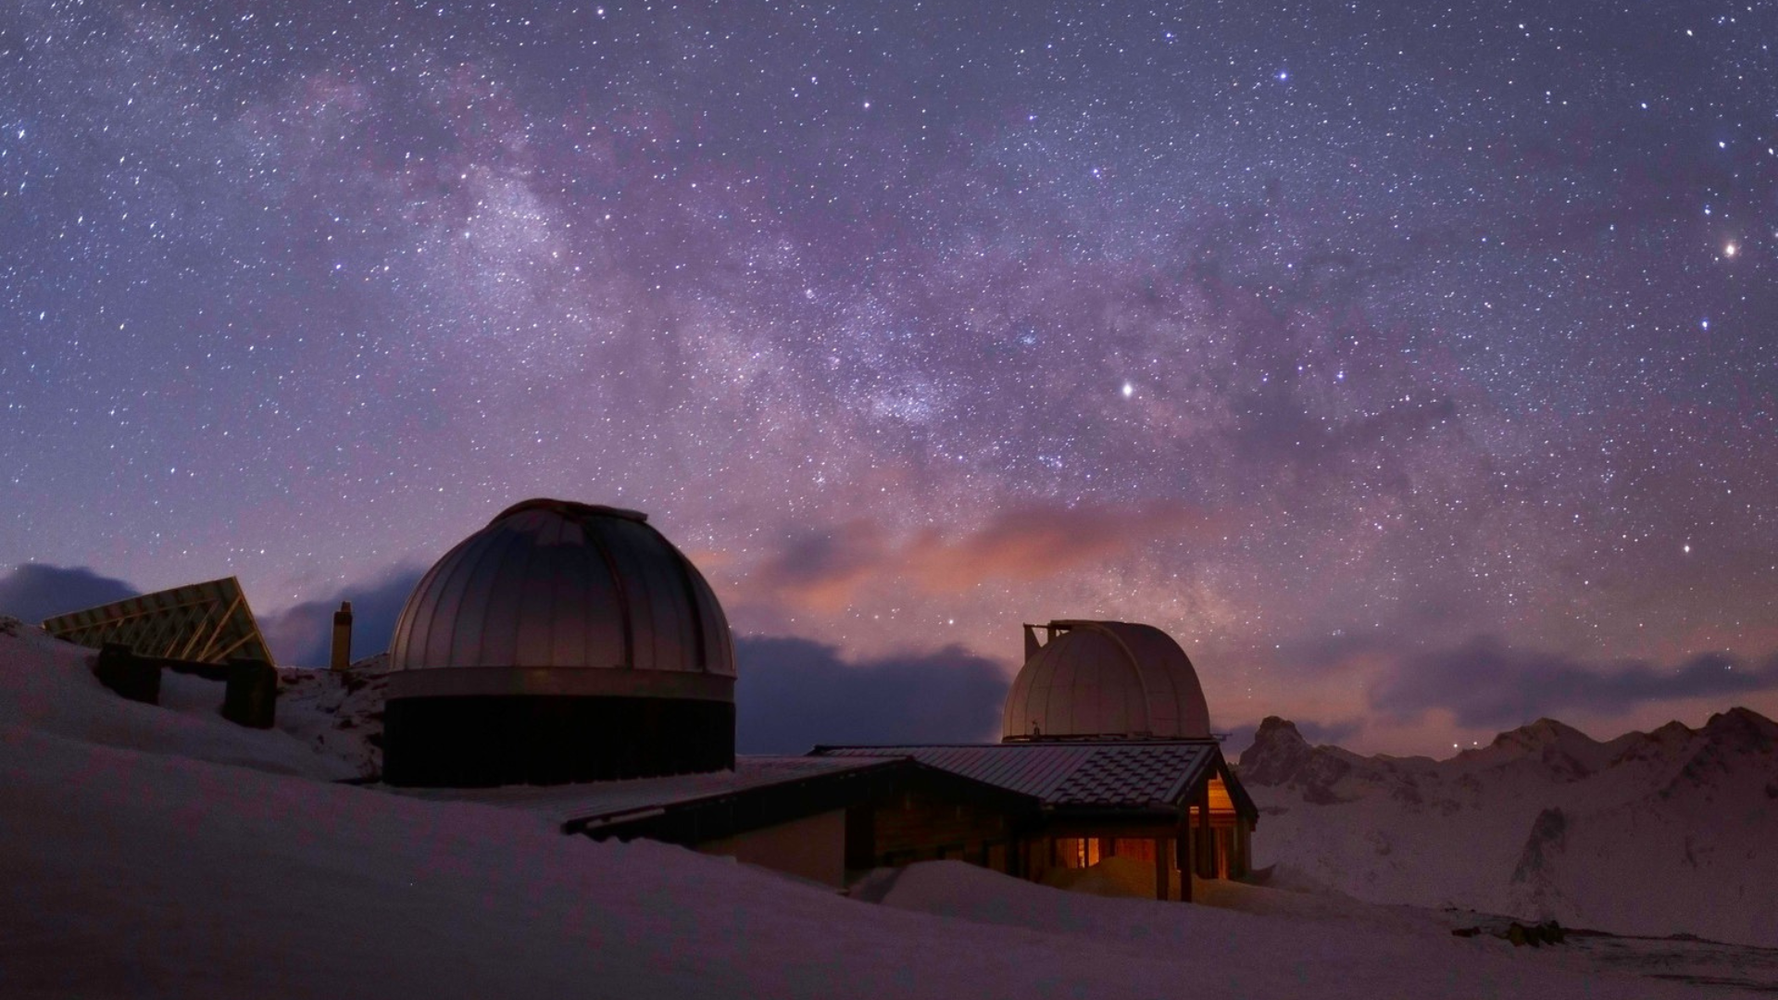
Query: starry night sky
[(1413, 367)]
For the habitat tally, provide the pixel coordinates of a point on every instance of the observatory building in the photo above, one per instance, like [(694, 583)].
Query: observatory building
[(572, 646), (563, 642), (1095, 678), (1107, 734)]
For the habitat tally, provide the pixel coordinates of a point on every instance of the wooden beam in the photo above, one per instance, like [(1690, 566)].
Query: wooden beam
[(203, 636), (1206, 853), (1162, 827), (209, 647), (1182, 853), (1161, 864), (233, 647)]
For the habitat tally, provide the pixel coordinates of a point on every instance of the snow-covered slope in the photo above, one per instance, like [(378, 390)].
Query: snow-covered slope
[(47, 687), (146, 851), (1674, 831)]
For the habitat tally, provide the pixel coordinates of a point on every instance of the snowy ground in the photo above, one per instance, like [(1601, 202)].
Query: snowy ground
[(161, 851), (337, 714)]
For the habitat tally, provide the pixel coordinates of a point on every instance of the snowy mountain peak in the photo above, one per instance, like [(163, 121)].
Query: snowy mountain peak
[(1273, 729), (1553, 748), (1277, 752), (1544, 822), (1280, 756), (1672, 732), (1544, 733), (1743, 729)]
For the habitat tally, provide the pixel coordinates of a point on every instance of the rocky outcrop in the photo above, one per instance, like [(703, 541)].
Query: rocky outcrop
[(1545, 842), (1280, 756), (1277, 754)]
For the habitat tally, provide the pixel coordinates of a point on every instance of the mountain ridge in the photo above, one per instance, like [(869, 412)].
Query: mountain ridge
[(1658, 832)]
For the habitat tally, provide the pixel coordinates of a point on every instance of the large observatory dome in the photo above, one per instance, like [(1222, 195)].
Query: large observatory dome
[(1096, 678), (562, 642)]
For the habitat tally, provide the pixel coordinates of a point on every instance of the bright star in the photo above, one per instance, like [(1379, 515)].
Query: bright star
[(1129, 390)]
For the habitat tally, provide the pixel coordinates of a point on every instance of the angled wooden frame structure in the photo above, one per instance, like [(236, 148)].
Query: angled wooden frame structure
[(207, 622)]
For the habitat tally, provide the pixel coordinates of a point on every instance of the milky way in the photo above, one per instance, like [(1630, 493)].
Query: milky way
[(1381, 355)]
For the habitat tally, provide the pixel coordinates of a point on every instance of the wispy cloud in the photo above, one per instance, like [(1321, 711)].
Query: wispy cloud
[(825, 571)]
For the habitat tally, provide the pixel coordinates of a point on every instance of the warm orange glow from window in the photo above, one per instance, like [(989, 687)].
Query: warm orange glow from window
[(1219, 797), (1077, 852)]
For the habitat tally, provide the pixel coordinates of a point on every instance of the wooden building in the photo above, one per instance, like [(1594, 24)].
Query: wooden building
[(827, 819), (1033, 811), (1105, 736), (1171, 805)]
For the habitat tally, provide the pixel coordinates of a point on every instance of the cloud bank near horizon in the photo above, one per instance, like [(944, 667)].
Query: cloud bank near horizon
[(1487, 682), (35, 591), (302, 635), (792, 694)]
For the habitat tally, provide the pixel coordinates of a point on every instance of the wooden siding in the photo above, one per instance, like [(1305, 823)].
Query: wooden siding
[(922, 826), (809, 847)]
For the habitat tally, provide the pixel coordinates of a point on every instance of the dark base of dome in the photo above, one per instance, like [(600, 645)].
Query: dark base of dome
[(467, 742)]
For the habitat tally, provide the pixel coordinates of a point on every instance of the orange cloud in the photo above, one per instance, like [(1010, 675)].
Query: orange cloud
[(824, 572), (820, 572), (1033, 542)]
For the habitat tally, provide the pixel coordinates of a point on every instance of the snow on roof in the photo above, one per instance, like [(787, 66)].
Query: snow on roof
[(1122, 773), (596, 803)]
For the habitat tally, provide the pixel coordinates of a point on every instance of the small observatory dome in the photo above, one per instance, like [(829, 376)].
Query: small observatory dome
[(562, 642), (1113, 679)]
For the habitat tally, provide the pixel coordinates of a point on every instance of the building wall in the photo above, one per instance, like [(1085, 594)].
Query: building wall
[(813, 848), (477, 741), (921, 827), (1139, 865)]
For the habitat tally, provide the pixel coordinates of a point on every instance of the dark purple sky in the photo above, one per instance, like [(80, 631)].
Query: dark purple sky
[(1414, 367)]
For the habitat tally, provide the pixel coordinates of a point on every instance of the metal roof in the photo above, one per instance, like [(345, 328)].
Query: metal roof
[(594, 803), (557, 597), (1070, 774)]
